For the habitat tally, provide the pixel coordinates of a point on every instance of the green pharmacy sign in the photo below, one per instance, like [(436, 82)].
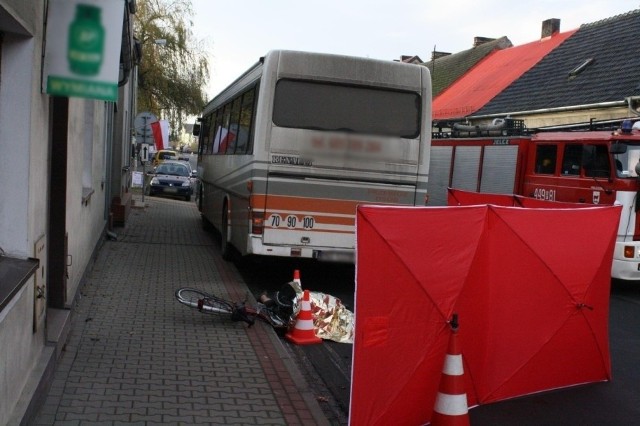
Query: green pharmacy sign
[(82, 58), (86, 41)]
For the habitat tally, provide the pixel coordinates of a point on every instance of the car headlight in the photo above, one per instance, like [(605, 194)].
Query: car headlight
[(186, 183), (155, 181)]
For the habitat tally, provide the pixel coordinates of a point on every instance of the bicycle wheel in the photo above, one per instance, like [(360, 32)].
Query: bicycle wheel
[(203, 302)]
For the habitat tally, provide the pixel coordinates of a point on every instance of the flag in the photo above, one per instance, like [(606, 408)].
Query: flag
[(223, 138), (160, 130)]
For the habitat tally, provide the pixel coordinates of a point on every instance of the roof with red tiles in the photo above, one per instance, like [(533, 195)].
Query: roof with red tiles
[(492, 75)]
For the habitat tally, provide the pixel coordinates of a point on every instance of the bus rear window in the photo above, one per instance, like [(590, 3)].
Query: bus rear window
[(334, 107)]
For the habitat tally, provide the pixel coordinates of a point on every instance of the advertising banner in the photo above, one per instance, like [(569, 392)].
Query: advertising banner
[(82, 56)]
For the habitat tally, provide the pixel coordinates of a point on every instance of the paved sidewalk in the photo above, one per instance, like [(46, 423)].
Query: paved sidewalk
[(136, 356)]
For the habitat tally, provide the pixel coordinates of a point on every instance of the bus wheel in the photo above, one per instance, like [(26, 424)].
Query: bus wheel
[(225, 247)]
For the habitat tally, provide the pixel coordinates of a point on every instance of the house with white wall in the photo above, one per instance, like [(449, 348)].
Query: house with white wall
[(63, 162)]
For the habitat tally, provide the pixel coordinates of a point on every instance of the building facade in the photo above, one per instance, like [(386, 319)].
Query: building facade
[(63, 162)]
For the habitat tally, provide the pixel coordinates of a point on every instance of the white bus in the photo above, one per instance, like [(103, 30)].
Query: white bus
[(290, 148)]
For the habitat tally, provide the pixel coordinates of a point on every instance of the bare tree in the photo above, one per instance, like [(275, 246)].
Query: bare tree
[(174, 69)]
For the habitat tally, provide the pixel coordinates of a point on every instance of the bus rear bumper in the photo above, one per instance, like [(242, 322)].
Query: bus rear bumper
[(256, 247), (337, 256)]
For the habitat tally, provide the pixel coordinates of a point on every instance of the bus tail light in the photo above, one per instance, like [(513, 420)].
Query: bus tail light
[(257, 222), (629, 252)]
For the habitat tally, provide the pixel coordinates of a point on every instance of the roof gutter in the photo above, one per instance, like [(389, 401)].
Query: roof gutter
[(625, 102)]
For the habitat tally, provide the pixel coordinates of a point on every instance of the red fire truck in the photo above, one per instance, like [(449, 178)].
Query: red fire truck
[(589, 166)]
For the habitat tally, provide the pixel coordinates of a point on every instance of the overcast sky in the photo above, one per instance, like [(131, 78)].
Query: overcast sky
[(237, 33)]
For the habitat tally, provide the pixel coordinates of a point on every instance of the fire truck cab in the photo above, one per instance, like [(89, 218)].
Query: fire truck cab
[(590, 167), (563, 166)]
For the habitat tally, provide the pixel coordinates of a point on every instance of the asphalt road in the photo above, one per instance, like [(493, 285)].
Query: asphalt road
[(615, 402)]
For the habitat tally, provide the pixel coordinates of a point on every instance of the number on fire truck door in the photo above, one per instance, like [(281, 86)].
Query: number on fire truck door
[(596, 197)]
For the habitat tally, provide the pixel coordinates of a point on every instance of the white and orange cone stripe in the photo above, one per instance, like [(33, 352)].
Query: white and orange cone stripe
[(304, 321), (296, 277), (451, 408), (303, 332)]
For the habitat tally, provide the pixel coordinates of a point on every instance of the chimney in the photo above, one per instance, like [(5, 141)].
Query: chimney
[(477, 41), (550, 27)]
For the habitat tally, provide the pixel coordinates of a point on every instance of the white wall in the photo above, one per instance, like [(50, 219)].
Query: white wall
[(24, 153), (19, 350), (25, 196), (15, 108), (85, 218)]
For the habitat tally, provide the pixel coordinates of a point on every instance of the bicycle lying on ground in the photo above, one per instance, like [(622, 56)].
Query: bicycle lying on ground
[(273, 313)]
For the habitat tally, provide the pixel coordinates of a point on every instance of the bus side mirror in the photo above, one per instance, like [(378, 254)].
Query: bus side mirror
[(196, 130)]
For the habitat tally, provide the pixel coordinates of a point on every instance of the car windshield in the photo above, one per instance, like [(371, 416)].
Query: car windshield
[(173, 169)]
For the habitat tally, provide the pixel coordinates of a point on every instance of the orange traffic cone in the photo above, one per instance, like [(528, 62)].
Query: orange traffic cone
[(451, 402), (296, 276), (296, 283), (303, 332)]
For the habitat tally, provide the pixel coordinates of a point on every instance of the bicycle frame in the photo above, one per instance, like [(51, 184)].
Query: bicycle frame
[(238, 311)]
